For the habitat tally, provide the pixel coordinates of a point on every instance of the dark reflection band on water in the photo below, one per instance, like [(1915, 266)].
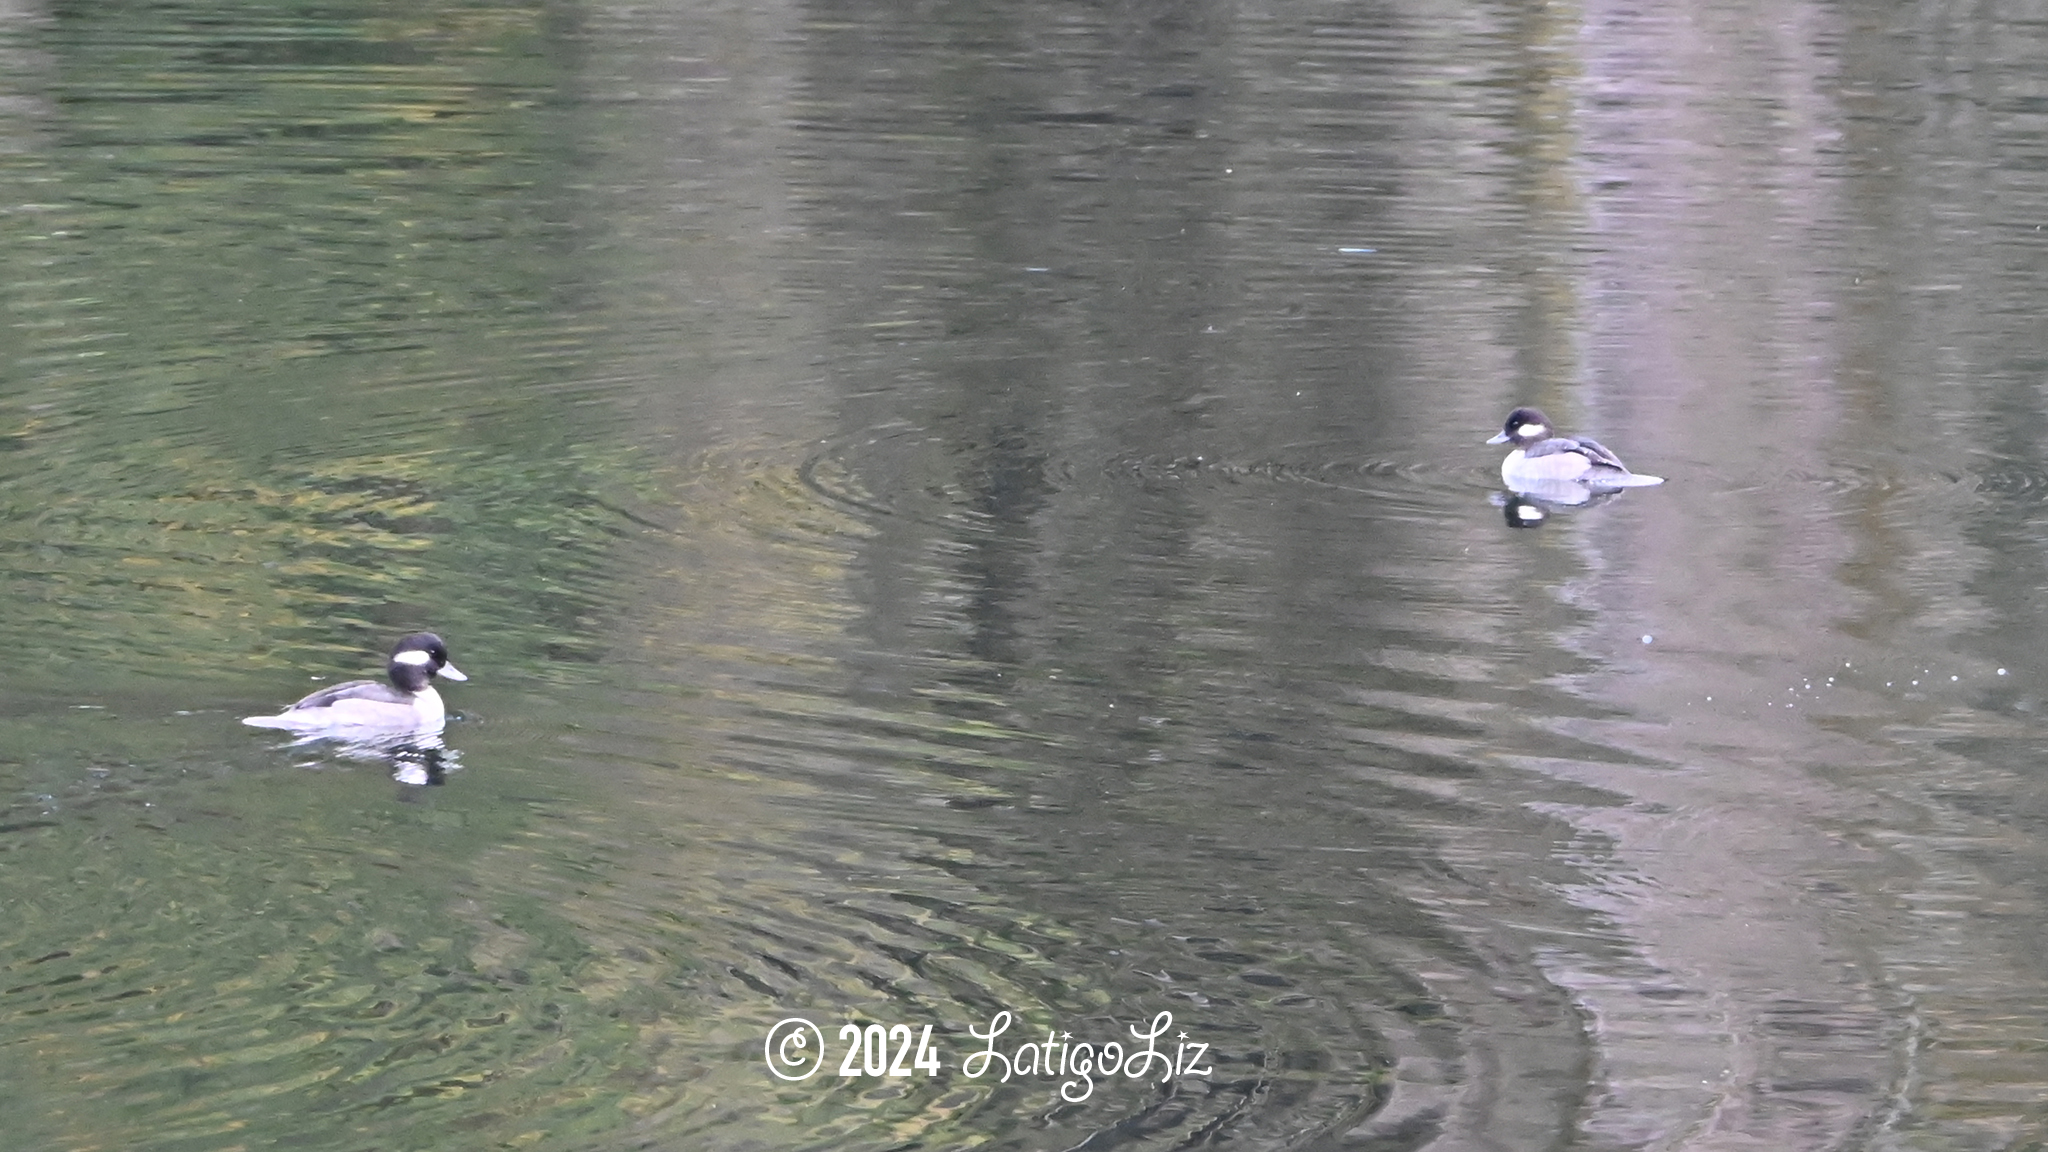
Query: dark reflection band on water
[(1146, 625)]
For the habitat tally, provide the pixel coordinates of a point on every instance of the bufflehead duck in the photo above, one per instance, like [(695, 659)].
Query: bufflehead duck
[(408, 704), (1543, 460)]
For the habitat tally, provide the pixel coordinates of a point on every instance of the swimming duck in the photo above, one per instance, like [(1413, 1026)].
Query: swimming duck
[(408, 704), (1544, 460)]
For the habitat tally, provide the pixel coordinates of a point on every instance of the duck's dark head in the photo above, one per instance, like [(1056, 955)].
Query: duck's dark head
[(1524, 426), (417, 659)]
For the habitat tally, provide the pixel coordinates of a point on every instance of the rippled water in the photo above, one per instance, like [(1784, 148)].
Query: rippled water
[(973, 519)]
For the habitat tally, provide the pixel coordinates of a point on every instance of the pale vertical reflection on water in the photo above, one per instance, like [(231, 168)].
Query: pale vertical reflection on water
[(974, 509), (1808, 240)]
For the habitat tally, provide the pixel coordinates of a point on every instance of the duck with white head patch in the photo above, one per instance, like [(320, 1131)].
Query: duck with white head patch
[(1545, 459), (407, 704)]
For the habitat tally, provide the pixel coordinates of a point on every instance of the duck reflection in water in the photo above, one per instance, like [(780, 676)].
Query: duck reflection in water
[(420, 759), (422, 763)]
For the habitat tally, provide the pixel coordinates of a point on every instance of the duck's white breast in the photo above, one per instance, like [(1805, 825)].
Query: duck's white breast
[(1556, 466)]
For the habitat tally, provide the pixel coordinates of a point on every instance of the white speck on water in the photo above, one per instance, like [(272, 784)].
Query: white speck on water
[(2001, 671), (1647, 637), (1358, 251)]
